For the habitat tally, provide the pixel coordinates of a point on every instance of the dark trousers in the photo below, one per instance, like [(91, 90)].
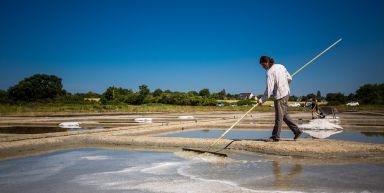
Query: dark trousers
[(281, 115)]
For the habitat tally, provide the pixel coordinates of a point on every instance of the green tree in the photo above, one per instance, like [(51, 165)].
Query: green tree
[(215, 96), (143, 93), (318, 95), (222, 94), (304, 98), (157, 92), (143, 90), (336, 98), (204, 92), (150, 99), (311, 95), (167, 98), (196, 100), (134, 99), (36, 87), (116, 94), (351, 97), (3, 96), (371, 94), (193, 93), (293, 98)]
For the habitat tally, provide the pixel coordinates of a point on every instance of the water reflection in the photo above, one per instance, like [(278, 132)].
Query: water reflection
[(261, 135), (103, 170), (285, 180), (321, 134), (373, 134), (40, 130), (31, 130)]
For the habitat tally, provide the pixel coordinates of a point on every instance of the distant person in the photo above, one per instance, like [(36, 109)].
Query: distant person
[(278, 80), (315, 108)]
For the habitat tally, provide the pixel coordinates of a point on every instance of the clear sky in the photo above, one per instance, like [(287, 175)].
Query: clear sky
[(191, 44)]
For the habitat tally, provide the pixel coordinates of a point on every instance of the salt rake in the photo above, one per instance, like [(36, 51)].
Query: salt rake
[(253, 107), (202, 152)]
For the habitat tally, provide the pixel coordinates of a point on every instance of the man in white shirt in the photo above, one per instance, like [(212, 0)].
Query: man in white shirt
[(278, 80)]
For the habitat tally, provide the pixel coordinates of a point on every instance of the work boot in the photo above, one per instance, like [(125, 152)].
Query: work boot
[(297, 135), (274, 139)]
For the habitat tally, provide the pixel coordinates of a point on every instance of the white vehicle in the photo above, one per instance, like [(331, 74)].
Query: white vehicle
[(294, 105), (353, 104), (220, 104)]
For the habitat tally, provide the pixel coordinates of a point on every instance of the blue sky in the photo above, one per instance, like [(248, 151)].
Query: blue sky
[(191, 44)]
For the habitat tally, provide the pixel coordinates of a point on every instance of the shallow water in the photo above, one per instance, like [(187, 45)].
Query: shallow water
[(368, 137), (39, 130), (101, 170)]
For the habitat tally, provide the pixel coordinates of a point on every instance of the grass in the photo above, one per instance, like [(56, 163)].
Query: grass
[(55, 108)]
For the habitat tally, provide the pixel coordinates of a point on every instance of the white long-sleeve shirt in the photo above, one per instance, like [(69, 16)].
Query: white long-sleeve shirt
[(278, 79)]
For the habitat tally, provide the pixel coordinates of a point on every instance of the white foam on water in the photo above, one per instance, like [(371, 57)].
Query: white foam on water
[(321, 124), (95, 157), (161, 168)]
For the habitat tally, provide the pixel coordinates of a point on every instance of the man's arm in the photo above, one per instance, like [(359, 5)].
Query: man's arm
[(268, 90)]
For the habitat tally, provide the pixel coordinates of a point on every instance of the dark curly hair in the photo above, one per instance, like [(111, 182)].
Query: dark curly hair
[(267, 59)]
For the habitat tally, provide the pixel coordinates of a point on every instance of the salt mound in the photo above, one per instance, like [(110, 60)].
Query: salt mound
[(69, 125), (321, 124), (143, 120), (186, 117)]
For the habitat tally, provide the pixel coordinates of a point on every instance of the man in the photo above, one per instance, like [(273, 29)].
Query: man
[(315, 108), (278, 80)]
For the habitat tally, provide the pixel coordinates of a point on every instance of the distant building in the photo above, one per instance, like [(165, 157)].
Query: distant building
[(246, 96)]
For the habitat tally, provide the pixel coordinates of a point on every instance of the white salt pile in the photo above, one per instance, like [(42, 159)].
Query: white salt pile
[(69, 125), (143, 120), (186, 117), (322, 128), (321, 124)]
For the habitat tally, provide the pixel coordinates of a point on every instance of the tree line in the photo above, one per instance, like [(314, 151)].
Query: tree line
[(49, 88)]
